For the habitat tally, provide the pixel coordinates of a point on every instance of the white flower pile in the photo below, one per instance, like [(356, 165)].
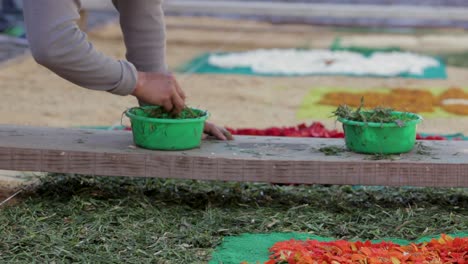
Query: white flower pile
[(305, 62)]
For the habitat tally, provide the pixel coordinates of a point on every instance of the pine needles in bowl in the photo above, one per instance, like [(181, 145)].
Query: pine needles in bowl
[(186, 113), (377, 115)]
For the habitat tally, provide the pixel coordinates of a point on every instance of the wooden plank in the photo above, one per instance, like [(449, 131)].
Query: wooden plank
[(260, 159)]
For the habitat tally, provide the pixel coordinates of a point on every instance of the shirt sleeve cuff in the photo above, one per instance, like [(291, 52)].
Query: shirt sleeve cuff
[(128, 79)]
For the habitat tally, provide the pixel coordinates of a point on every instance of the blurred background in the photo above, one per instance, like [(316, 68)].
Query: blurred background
[(260, 64)]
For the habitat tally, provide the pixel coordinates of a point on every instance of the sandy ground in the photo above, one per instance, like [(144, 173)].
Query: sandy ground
[(32, 95), (13, 183)]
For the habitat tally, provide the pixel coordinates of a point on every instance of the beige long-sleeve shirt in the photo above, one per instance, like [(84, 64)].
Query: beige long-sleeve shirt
[(57, 43)]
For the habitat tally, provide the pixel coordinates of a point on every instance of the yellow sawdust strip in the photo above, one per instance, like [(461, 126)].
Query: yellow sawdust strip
[(311, 107)]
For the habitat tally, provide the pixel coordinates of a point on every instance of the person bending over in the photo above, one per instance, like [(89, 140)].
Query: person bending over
[(57, 43)]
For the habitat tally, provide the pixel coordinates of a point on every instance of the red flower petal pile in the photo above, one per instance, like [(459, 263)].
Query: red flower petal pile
[(435, 137), (316, 129), (443, 250)]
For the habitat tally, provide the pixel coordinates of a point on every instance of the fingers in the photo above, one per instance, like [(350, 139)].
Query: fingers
[(227, 134), (168, 106), (218, 132), (177, 103), (179, 89), (177, 86), (211, 129), (178, 96), (160, 89)]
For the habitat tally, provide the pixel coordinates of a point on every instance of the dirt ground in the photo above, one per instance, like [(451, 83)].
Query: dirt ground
[(13, 183), (32, 95)]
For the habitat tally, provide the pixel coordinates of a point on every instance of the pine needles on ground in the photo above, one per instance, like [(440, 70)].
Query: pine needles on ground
[(130, 220)]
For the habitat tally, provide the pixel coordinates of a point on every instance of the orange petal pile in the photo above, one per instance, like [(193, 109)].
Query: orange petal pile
[(446, 249)]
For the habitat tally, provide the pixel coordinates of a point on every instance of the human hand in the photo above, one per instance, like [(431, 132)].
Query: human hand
[(160, 89), (219, 132)]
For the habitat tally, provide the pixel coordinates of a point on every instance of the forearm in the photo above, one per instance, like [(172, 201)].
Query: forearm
[(142, 23), (57, 43)]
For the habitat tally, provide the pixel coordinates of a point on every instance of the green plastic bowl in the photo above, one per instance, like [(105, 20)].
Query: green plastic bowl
[(165, 134), (381, 138)]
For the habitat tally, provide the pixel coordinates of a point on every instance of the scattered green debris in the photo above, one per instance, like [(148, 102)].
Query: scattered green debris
[(333, 150), (422, 149), (381, 156), (376, 115), (84, 219)]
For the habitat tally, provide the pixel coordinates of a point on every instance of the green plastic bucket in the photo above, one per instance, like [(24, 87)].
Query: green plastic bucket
[(165, 134), (381, 138)]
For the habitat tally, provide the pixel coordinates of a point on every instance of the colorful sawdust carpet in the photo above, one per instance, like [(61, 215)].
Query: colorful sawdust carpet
[(446, 249), (430, 102), (301, 248), (300, 62)]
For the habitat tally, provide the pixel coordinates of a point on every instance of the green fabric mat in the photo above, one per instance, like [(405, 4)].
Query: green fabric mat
[(15, 31), (457, 59), (366, 51), (201, 65), (253, 248), (458, 136)]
